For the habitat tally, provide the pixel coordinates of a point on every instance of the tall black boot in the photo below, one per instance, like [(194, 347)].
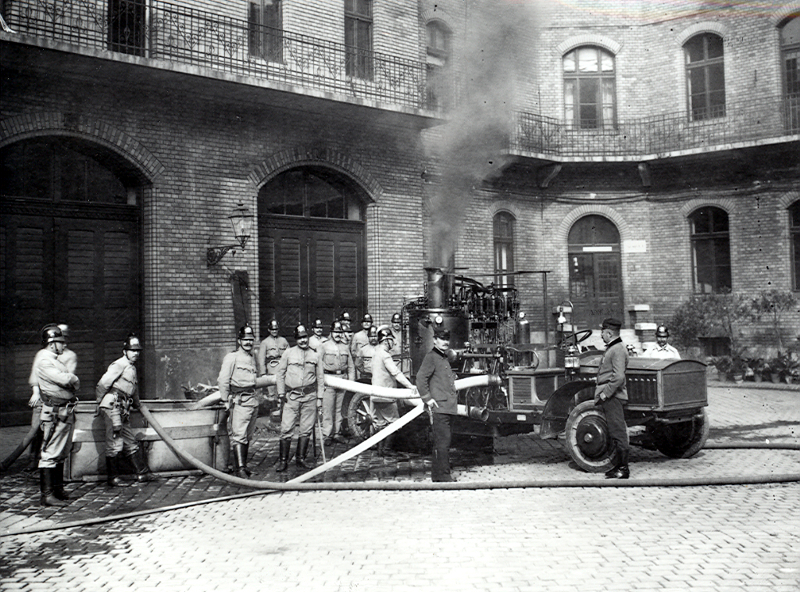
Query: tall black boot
[(283, 454), (58, 482), (615, 458), (240, 455), (244, 456), (385, 446), (623, 471), (112, 470), (302, 451), (140, 464), (46, 488)]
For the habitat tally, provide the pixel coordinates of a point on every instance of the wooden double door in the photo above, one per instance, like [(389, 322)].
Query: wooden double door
[(77, 264), (308, 269)]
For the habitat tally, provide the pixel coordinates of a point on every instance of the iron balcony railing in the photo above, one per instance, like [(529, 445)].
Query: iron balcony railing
[(164, 31), (743, 121)]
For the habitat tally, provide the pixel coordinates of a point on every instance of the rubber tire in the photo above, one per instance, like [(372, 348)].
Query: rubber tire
[(681, 440), (360, 416), (588, 421)]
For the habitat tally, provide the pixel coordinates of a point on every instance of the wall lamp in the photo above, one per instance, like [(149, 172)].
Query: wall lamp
[(242, 222)]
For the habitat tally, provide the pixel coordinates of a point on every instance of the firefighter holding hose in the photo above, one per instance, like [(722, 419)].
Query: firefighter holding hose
[(237, 388), (117, 394), (57, 388)]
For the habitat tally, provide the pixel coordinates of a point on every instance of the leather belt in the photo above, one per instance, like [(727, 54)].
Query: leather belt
[(306, 390), (243, 390), (334, 371)]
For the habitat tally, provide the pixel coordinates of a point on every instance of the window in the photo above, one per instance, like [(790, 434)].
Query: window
[(438, 39), (711, 256), (312, 193), (794, 226), (790, 50), (589, 88), (358, 38), (503, 248), (705, 76), (265, 30)]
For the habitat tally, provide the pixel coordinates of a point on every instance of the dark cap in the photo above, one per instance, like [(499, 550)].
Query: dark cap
[(442, 334), (611, 323)]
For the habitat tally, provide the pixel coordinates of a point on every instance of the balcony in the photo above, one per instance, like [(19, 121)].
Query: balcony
[(770, 120), (157, 30)]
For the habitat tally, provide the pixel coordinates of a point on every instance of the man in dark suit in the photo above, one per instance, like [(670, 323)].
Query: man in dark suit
[(611, 395), (436, 385)]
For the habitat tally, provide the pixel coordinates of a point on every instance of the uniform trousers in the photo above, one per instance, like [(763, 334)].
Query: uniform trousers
[(125, 441), (331, 411), (614, 411), (385, 412), (57, 424), (243, 416), (301, 410)]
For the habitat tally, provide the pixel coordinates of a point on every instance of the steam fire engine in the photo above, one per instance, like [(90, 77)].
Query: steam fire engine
[(545, 389)]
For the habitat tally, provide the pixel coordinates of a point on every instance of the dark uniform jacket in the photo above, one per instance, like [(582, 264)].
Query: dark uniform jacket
[(436, 380), (611, 373)]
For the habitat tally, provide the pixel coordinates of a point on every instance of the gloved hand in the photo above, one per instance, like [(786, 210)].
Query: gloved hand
[(35, 399), (599, 399)]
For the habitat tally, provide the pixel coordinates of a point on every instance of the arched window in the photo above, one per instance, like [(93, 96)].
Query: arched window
[(705, 76), (790, 57), (589, 88), (711, 254), (438, 56), (794, 227), (311, 192), (503, 248)]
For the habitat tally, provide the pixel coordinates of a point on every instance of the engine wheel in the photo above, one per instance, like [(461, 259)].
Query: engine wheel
[(587, 439), (361, 417), (681, 440)]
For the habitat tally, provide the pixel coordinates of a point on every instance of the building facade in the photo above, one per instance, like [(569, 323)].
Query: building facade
[(638, 155)]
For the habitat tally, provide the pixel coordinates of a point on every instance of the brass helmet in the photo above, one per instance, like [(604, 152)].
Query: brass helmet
[(300, 331), (51, 333), (396, 318), (662, 331), (273, 325), (132, 343), (246, 331), (336, 327), (383, 334), (318, 324)]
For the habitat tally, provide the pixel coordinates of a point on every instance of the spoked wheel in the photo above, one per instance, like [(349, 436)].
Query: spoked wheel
[(587, 438), (361, 417), (681, 440), (574, 338)]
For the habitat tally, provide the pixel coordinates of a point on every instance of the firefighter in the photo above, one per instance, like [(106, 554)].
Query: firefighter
[(662, 349), (117, 392), (269, 352), (300, 385), (611, 395), (363, 359), (237, 388), (70, 360), (397, 335), (361, 338), (336, 361), (385, 373), (347, 325), (316, 338), (57, 389)]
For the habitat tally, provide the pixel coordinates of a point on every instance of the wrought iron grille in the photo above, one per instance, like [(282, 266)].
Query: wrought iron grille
[(160, 30), (742, 121)]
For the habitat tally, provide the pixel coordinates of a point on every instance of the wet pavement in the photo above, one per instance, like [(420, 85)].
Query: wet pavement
[(171, 535)]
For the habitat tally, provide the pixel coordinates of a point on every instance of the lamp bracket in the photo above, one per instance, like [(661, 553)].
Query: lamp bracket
[(215, 254)]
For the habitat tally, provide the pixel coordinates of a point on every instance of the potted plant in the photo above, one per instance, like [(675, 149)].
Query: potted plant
[(724, 365), (758, 369), (738, 369)]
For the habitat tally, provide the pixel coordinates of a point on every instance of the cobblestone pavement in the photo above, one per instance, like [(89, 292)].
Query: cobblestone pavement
[(706, 538)]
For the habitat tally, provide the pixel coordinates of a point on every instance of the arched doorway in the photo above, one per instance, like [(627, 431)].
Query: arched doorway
[(312, 261), (595, 278), (70, 252)]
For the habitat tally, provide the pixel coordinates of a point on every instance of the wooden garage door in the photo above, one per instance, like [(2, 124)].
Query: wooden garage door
[(76, 265)]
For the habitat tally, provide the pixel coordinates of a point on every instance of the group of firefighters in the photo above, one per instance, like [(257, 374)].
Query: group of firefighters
[(370, 354)]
